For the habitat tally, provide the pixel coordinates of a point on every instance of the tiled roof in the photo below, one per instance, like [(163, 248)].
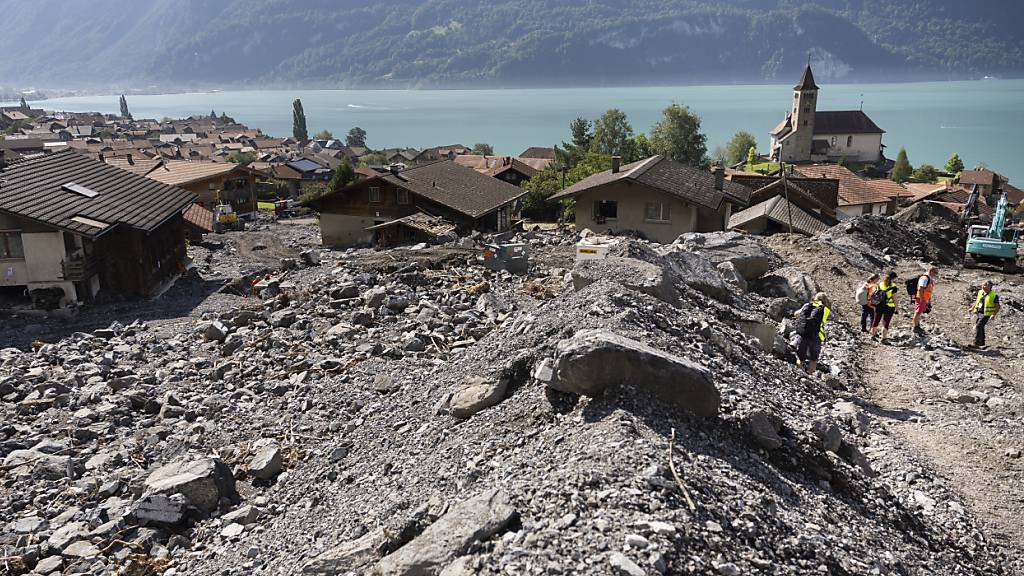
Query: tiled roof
[(432, 225), (823, 192), (687, 183), (182, 172), (844, 122), (495, 165), (37, 190), (980, 177), (853, 189), (457, 187), (778, 210), (538, 152), (199, 217), (806, 80), (140, 165)]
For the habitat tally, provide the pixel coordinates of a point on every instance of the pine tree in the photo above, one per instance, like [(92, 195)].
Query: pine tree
[(902, 170), (751, 157), (299, 121), (24, 105), (124, 108)]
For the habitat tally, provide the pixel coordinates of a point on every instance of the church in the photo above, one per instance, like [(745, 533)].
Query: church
[(809, 135)]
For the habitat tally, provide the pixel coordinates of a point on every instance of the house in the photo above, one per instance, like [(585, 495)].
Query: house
[(955, 197), (810, 135), (539, 153), (807, 205), (71, 227), (211, 182), (657, 197), (198, 221), (989, 182), (440, 153), (460, 195), (507, 168), (859, 195), (413, 229), (134, 163)]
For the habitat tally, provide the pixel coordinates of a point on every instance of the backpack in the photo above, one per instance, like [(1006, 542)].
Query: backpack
[(862, 295), (879, 297), (911, 284), (801, 319)]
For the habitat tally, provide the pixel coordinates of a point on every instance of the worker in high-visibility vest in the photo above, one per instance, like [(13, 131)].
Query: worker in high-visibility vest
[(986, 305)]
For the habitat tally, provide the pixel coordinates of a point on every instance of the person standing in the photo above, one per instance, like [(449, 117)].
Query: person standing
[(884, 302), (867, 310), (986, 305), (812, 337), (923, 298)]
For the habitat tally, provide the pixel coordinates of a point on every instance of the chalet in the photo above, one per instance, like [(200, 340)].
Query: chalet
[(539, 153), (71, 227), (657, 197), (859, 195), (810, 135), (777, 204), (460, 195), (211, 182), (511, 170), (440, 153)]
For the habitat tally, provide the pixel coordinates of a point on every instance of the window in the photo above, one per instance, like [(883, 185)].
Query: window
[(10, 246), (605, 210), (849, 141), (656, 212), (403, 196), (833, 140), (375, 194)]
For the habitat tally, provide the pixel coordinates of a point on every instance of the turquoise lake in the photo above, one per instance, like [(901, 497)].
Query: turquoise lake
[(981, 120)]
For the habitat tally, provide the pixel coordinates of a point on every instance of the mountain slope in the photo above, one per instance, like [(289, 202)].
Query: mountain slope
[(403, 43)]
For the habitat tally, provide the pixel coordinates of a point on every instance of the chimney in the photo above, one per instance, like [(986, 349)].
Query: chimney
[(616, 160), (719, 173), (394, 169), (130, 161), (3, 158), (101, 157)]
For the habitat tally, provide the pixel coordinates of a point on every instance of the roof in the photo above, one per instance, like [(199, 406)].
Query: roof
[(844, 122), (182, 172), (538, 152), (919, 190), (778, 210), (821, 193), (853, 189), (38, 190), (432, 225), (980, 177), (14, 115), (446, 183), (304, 165), (140, 164), (199, 217), (495, 165), (806, 80), (693, 185)]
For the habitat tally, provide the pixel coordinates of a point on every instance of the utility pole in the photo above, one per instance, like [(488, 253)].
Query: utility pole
[(785, 184)]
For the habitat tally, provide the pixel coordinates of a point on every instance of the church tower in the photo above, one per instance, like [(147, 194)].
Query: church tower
[(805, 101)]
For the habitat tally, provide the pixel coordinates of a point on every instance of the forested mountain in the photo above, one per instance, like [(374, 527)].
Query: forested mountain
[(457, 43)]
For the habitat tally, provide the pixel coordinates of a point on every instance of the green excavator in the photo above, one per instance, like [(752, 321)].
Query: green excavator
[(992, 244)]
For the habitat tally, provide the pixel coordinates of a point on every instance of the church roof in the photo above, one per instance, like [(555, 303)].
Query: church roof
[(844, 122), (806, 80)]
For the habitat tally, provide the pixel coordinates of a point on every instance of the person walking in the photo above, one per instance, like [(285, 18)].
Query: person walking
[(923, 297), (812, 336), (884, 302), (867, 311), (986, 306)]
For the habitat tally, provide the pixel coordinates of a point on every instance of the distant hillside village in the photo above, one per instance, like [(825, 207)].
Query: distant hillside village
[(92, 202)]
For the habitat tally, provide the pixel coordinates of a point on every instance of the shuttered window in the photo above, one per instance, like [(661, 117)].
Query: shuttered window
[(10, 246)]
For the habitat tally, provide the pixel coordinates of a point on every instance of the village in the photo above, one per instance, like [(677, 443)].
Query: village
[(225, 352)]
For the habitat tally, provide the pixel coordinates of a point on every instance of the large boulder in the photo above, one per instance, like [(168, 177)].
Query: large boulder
[(38, 463), (748, 254), (202, 482), (468, 522), (638, 275), (593, 361), (699, 273), (787, 282)]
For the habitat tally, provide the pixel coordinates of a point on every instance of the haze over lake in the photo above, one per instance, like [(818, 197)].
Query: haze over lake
[(981, 120)]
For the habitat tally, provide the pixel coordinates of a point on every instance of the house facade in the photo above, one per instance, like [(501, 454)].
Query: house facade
[(211, 182), (858, 195), (656, 197)]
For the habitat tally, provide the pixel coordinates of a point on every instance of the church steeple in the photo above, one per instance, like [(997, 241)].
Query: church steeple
[(806, 81)]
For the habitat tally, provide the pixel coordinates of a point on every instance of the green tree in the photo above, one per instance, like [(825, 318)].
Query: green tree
[(483, 149), (582, 132), (954, 165), (24, 105), (925, 173), (341, 178), (356, 138), (324, 135), (569, 153), (550, 180), (375, 159), (737, 148), (243, 158), (637, 148), (751, 158), (718, 155), (677, 136), (124, 108), (213, 114), (299, 121), (612, 133), (902, 170)]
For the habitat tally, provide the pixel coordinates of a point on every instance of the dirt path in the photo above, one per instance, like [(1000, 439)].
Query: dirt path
[(959, 409)]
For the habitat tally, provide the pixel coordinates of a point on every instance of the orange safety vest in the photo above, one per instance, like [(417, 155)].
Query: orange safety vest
[(925, 294)]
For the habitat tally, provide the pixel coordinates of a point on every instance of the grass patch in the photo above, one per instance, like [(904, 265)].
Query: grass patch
[(265, 206), (763, 166)]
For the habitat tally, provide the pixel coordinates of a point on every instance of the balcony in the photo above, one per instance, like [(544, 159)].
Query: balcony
[(80, 269)]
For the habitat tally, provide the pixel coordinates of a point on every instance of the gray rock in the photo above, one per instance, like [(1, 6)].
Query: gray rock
[(698, 273), (476, 394), (348, 555), (748, 254), (361, 318), (232, 344), (160, 511), (374, 297), (345, 292), (466, 523), (38, 463), (283, 318), (787, 282), (414, 344), (634, 274), (49, 565), (81, 549), (202, 482), (594, 360), (766, 334), (68, 533), (216, 331), (732, 276), (854, 456), (624, 566), (244, 515), (828, 433), (266, 463), (764, 427)]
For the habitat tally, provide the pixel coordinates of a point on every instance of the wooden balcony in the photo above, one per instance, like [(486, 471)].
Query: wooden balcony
[(81, 269)]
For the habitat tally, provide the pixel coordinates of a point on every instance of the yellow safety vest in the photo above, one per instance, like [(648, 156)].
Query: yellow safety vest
[(824, 318), (889, 290), (990, 306)]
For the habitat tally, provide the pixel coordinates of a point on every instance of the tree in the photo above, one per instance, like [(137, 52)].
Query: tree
[(551, 180), (737, 148), (299, 121), (582, 132), (718, 155), (375, 159), (902, 170), (324, 135), (925, 173), (243, 158), (751, 158), (677, 136), (483, 149), (954, 165), (24, 105), (124, 108), (213, 114), (341, 178), (356, 138), (611, 133), (637, 148), (569, 153)]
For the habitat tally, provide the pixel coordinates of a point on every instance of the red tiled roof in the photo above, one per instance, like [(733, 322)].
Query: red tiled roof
[(854, 189)]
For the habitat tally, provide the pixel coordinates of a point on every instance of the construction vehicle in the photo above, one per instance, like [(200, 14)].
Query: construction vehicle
[(992, 244), (225, 218)]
